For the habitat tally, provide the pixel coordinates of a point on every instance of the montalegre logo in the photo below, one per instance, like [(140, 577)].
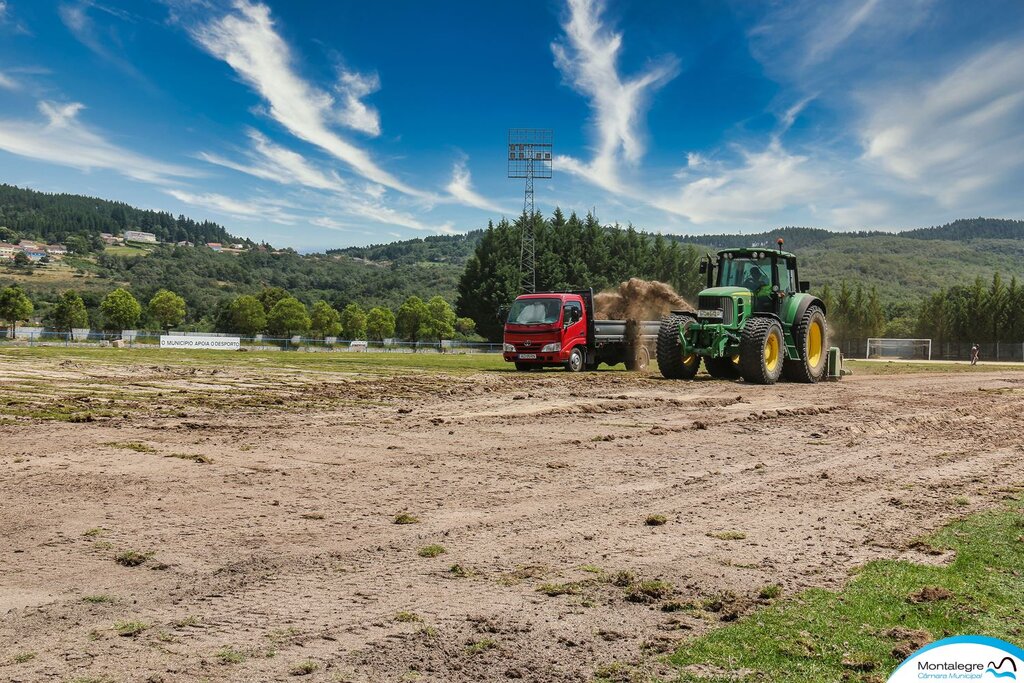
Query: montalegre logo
[(963, 658)]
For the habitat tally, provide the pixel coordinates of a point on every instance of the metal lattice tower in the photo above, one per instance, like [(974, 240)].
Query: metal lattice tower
[(529, 157)]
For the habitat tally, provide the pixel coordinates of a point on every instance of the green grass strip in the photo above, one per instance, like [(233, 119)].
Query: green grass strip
[(820, 635)]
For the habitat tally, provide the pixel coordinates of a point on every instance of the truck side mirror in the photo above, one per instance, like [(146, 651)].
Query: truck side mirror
[(805, 285), (703, 266)]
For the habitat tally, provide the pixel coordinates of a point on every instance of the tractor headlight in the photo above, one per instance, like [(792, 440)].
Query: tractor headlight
[(554, 347), (508, 348)]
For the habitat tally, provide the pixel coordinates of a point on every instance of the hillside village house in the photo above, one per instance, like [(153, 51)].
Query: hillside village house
[(56, 250), (110, 239), (139, 236), (8, 250), (216, 246)]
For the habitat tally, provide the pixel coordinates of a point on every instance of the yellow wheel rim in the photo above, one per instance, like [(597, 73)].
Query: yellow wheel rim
[(736, 359), (771, 352), (814, 345), (690, 360)]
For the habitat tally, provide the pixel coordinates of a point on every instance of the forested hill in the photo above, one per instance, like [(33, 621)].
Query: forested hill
[(453, 249), (55, 217)]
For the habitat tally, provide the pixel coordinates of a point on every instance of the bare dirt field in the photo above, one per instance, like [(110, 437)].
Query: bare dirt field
[(238, 523)]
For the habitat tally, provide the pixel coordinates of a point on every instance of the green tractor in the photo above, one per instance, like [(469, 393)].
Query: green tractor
[(755, 320)]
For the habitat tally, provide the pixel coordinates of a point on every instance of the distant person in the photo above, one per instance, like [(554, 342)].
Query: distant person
[(975, 352)]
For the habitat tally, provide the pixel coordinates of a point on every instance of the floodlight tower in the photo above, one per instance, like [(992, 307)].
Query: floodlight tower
[(529, 157)]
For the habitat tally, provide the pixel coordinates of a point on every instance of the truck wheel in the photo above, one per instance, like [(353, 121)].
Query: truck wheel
[(524, 367), (762, 348), (576, 361), (670, 348), (723, 368), (811, 336), (640, 360)]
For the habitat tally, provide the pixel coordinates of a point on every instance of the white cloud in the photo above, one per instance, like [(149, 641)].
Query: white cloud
[(247, 41), (7, 82), (273, 162), (461, 188), (588, 60), (274, 211), (766, 182), (62, 139), (957, 134), (353, 87)]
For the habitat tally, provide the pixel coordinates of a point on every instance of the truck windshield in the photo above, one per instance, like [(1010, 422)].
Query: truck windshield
[(535, 311), (744, 272)]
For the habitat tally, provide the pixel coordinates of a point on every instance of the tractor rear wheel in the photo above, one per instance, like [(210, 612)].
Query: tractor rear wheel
[(722, 368), (762, 349), (670, 348), (811, 336)]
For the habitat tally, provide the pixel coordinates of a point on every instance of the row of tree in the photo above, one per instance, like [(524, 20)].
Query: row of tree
[(272, 311), (981, 312), (572, 253)]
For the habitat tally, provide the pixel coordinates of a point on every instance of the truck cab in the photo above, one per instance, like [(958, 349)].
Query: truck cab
[(549, 329)]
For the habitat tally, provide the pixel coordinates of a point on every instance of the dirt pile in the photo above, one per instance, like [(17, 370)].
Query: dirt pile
[(638, 299)]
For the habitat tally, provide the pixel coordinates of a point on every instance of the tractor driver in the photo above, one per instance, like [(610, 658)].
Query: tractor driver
[(756, 279)]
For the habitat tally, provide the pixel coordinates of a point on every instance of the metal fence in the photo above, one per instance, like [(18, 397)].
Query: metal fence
[(144, 339), (999, 351)]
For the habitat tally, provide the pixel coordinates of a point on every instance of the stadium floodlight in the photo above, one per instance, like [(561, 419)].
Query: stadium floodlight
[(530, 152), (901, 349)]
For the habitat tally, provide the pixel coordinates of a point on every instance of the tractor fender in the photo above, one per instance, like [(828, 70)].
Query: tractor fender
[(802, 307)]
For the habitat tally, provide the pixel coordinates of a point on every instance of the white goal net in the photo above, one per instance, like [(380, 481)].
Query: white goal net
[(907, 349)]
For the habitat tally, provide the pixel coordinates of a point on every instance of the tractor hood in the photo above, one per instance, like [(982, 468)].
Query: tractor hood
[(725, 291)]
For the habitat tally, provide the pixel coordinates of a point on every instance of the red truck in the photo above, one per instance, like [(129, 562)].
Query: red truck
[(558, 329)]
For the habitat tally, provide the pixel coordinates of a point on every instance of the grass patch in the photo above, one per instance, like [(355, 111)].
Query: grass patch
[(304, 668), (408, 617), (867, 367), (461, 572), (130, 629), (727, 535), (94, 532), (136, 446), (431, 551), (650, 591), (405, 518), (553, 590), (887, 611), (770, 592), (98, 599), (130, 558), (23, 657), (229, 655), (482, 645), (188, 622), (655, 520)]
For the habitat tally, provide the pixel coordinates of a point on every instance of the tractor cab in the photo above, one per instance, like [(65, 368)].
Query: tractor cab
[(770, 275)]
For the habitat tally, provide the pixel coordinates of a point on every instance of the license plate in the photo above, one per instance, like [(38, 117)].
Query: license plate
[(716, 313), (527, 356)]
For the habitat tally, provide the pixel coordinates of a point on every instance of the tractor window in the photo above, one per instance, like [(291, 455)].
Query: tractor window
[(787, 279), (749, 273)]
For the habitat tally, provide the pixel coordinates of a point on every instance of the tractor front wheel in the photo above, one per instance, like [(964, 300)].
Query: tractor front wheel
[(811, 337), (762, 349), (671, 362), (722, 368)]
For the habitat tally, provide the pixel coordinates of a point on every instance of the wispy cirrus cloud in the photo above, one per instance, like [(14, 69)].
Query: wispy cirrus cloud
[(461, 188), (61, 138), (587, 57), (355, 113), (8, 83), (252, 208), (247, 41), (271, 161), (105, 42), (956, 134)]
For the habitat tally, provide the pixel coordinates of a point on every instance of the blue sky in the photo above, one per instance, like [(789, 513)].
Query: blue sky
[(323, 124)]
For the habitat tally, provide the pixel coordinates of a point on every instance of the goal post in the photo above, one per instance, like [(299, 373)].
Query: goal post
[(902, 349)]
